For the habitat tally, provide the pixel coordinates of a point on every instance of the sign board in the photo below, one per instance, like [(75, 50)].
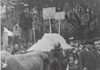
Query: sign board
[(59, 15), (48, 13)]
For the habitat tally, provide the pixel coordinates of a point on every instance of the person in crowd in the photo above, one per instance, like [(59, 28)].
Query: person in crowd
[(87, 57), (25, 23), (96, 42), (15, 49), (68, 52), (75, 53), (16, 35), (70, 63), (74, 50), (71, 42), (81, 47), (57, 51), (76, 64)]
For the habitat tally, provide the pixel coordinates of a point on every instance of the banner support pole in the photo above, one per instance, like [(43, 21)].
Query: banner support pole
[(59, 25), (50, 25)]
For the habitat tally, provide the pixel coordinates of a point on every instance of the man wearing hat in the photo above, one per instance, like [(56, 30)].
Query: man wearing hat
[(25, 23)]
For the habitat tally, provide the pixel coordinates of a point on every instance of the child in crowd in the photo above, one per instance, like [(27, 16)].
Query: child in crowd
[(76, 64), (73, 64), (70, 63)]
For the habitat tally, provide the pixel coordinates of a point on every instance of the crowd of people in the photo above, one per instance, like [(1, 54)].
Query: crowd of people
[(83, 56), (22, 37)]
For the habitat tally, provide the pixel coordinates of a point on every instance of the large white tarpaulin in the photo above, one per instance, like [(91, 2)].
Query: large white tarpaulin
[(47, 42), (9, 32)]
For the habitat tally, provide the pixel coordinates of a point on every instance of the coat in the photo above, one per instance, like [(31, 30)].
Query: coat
[(25, 20), (86, 59), (97, 64)]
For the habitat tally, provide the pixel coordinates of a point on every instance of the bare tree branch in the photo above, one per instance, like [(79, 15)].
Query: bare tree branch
[(92, 18), (78, 19), (71, 21)]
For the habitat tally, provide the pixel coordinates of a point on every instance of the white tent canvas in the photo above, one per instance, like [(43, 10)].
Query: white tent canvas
[(9, 32), (47, 42)]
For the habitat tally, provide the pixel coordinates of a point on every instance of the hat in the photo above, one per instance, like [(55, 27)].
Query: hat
[(26, 6)]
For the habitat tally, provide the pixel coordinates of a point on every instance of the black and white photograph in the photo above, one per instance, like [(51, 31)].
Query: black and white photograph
[(50, 34)]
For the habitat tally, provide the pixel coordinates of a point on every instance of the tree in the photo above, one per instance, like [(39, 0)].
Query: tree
[(12, 11), (81, 17)]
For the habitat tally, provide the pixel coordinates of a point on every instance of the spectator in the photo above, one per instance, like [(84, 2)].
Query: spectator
[(16, 34), (57, 51), (15, 49), (68, 52), (87, 56), (25, 23), (96, 42), (70, 63), (76, 64), (81, 47), (75, 52)]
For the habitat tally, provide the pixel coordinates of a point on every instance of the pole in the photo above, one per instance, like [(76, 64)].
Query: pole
[(59, 23), (59, 26), (34, 35), (50, 25)]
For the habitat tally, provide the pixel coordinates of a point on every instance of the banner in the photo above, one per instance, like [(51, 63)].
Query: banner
[(59, 15), (48, 13)]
